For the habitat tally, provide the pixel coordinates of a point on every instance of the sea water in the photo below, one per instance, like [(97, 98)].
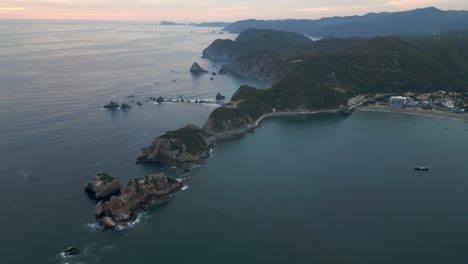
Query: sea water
[(316, 189)]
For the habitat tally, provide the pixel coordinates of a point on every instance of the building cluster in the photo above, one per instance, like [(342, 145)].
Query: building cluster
[(443, 101)]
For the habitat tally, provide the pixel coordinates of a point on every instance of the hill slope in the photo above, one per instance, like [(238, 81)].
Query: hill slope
[(323, 74), (418, 22)]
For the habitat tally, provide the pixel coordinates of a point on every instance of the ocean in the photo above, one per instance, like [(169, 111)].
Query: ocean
[(315, 189)]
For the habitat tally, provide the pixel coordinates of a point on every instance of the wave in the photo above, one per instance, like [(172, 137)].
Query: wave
[(97, 227), (25, 175), (94, 226), (140, 217)]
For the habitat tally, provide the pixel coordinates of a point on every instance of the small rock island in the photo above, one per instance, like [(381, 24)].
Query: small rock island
[(103, 186), (197, 69), (115, 209)]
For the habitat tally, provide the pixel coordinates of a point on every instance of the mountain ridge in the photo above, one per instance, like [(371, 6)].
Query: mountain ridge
[(423, 21)]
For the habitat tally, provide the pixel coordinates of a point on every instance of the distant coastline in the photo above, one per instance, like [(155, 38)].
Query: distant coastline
[(411, 111)]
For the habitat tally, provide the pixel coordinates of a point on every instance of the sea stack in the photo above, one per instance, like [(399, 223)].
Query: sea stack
[(220, 97), (196, 69), (125, 106), (112, 105)]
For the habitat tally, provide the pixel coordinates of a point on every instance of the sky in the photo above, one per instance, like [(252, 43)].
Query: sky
[(208, 10)]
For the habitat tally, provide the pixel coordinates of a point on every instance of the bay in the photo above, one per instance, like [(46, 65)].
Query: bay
[(317, 189)]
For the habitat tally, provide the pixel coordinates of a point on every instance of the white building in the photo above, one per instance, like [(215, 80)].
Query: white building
[(398, 101), (450, 104)]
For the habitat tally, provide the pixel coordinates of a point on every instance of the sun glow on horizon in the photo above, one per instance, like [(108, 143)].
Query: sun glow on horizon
[(208, 10), (11, 8)]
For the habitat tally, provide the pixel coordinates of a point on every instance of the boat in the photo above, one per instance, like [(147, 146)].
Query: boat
[(420, 168)]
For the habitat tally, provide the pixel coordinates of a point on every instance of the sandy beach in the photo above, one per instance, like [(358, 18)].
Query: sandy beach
[(411, 111)]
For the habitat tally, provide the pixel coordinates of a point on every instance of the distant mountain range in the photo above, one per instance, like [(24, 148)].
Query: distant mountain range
[(418, 22)]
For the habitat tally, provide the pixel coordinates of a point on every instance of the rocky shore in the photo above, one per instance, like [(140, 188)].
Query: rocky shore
[(138, 194), (102, 186), (179, 148)]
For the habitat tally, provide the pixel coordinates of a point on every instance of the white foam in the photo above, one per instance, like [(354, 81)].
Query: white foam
[(139, 218), (25, 175), (94, 226), (210, 105), (185, 187)]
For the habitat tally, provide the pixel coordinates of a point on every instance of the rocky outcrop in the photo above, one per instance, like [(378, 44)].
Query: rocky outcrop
[(103, 186), (139, 194), (177, 148), (159, 100), (125, 106), (196, 69), (71, 251), (220, 97), (107, 222), (112, 105)]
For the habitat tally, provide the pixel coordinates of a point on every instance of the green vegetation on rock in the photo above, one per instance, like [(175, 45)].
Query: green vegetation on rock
[(320, 75), (106, 178), (190, 139)]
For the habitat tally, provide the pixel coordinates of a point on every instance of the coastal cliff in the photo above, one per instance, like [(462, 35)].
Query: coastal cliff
[(263, 65), (256, 53), (182, 146), (221, 49)]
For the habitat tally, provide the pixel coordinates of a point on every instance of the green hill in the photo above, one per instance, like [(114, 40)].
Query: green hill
[(323, 74), (418, 22)]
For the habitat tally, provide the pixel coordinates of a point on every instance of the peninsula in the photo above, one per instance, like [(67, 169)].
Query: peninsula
[(309, 77)]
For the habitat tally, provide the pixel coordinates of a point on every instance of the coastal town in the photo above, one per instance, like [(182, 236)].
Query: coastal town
[(442, 103)]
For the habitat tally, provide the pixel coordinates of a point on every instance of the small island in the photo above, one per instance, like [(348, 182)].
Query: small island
[(197, 69), (170, 23), (116, 210)]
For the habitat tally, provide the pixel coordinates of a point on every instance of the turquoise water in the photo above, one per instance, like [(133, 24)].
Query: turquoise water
[(318, 189)]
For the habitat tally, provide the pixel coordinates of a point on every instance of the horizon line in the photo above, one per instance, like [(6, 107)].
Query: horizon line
[(196, 20)]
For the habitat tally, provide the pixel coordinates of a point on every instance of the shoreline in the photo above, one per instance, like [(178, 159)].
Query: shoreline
[(230, 134), (276, 114), (416, 112)]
